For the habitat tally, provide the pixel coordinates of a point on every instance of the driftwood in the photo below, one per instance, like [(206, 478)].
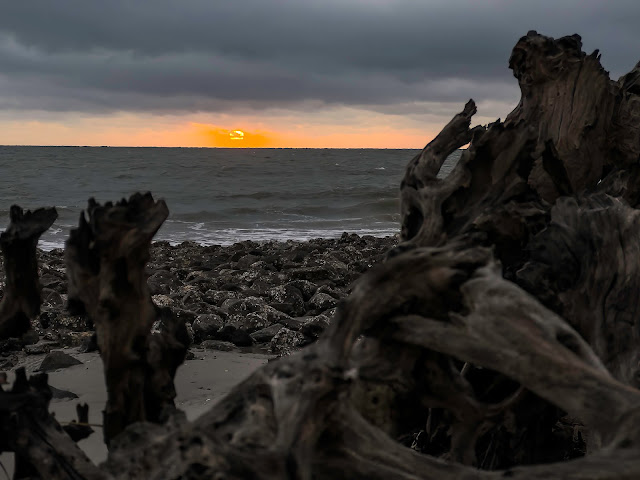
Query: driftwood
[(21, 300), (105, 258), (499, 339), (43, 449)]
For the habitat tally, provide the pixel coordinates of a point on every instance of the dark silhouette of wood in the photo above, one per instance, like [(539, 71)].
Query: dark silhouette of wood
[(105, 258), (21, 300), (42, 448), (81, 429), (504, 323)]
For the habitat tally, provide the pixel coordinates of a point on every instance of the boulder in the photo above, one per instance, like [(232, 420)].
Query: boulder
[(57, 359), (40, 347), (59, 394), (206, 327), (322, 301), (314, 326), (219, 345), (162, 283), (306, 287), (266, 334), (243, 306), (286, 341), (241, 338), (287, 299), (217, 297)]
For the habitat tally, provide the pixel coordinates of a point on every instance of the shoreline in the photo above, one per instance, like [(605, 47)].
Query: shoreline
[(265, 297), (301, 237)]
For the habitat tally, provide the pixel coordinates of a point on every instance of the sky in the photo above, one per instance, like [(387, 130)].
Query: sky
[(276, 73)]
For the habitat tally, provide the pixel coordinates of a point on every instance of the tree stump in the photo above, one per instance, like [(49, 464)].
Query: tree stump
[(105, 257), (21, 301)]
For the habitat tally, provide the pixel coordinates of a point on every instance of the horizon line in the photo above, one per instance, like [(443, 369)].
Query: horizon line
[(220, 148)]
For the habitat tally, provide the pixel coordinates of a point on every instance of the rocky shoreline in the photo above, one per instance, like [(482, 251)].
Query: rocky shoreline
[(272, 297)]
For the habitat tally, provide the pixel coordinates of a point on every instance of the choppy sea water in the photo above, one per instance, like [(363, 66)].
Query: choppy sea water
[(216, 196)]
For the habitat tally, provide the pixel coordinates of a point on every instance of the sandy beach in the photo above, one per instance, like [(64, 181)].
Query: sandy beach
[(200, 383)]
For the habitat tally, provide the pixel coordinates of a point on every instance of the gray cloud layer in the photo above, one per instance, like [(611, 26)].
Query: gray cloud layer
[(191, 55)]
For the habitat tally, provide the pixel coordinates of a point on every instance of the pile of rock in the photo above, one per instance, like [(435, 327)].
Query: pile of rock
[(275, 296)]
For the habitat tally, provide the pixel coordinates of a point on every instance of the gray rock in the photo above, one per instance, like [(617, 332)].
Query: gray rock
[(286, 341), (58, 319), (52, 298), (40, 347), (261, 266), (58, 359), (262, 285), (187, 316), (162, 283), (67, 338), (51, 281), (241, 338), (322, 301), (273, 315), (337, 294), (246, 261), (248, 277), (294, 323), (190, 294), (266, 334), (163, 301), (62, 394), (243, 306), (217, 297), (306, 287), (220, 345), (250, 322), (315, 326), (287, 299), (206, 327)]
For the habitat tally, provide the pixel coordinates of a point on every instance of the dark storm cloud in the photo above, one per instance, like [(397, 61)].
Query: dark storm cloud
[(209, 55)]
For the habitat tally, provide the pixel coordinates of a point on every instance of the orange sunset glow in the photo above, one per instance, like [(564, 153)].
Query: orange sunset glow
[(335, 127), (339, 128), (100, 132)]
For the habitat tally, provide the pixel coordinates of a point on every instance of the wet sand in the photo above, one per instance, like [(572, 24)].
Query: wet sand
[(200, 383)]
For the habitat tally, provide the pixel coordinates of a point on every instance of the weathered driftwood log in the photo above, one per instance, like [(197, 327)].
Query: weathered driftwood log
[(42, 448), (505, 320), (106, 257), (21, 300)]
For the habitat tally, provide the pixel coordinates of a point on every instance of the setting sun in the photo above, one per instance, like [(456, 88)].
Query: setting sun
[(236, 135)]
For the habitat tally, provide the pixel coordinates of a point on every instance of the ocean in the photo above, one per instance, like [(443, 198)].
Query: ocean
[(215, 196)]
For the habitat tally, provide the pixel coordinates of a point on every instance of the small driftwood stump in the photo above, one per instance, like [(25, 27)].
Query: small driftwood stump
[(106, 257), (499, 339), (21, 300)]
